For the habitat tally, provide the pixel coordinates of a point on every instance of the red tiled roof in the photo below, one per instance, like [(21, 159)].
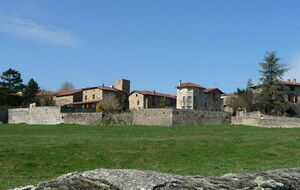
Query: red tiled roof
[(108, 88), (282, 82), (71, 92), (103, 88), (213, 89), (86, 102), (65, 93), (153, 93), (189, 84), (290, 83)]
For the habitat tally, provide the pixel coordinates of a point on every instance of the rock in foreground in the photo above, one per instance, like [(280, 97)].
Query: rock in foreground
[(105, 179)]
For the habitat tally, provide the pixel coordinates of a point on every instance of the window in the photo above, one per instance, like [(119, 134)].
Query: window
[(138, 102), (93, 96), (190, 89), (189, 99), (85, 97), (292, 88), (136, 95)]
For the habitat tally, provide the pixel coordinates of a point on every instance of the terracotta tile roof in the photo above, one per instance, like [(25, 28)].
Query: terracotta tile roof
[(108, 88), (189, 84), (86, 102), (153, 93), (71, 92), (290, 83), (282, 82), (65, 93), (213, 89), (103, 88)]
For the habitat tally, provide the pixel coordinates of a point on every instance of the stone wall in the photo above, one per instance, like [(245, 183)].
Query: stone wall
[(160, 117), (260, 120), (35, 115), (197, 117), (51, 115), (82, 118), (177, 117), (3, 115), (122, 118)]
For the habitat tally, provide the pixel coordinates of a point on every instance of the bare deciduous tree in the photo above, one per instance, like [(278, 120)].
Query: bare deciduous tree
[(66, 86)]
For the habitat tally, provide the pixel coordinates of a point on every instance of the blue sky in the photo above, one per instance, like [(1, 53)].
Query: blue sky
[(154, 43)]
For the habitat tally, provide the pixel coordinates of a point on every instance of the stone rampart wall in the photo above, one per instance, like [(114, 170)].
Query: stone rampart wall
[(51, 115), (83, 118), (260, 120), (35, 115), (159, 117), (197, 117), (178, 117)]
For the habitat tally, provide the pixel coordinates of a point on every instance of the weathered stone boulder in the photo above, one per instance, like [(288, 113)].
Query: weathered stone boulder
[(282, 179)]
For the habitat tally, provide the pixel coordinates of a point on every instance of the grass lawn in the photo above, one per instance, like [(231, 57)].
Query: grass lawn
[(29, 154)]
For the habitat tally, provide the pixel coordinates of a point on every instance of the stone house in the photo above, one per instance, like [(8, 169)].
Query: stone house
[(67, 97), (213, 99), (151, 99), (103, 94), (290, 89), (89, 97), (196, 97)]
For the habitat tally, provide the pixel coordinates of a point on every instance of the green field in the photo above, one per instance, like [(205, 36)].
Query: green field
[(29, 154)]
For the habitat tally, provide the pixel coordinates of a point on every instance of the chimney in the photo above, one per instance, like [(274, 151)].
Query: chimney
[(294, 80), (102, 84), (154, 91), (179, 82)]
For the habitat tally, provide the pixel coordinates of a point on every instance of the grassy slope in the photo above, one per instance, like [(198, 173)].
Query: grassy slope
[(29, 154)]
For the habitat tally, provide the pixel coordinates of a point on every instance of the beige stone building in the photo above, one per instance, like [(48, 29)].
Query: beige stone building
[(190, 96), (213, 99), (194, 96), (67, 97), (151, 99), (109, 96), (116, 97), (290, 90)]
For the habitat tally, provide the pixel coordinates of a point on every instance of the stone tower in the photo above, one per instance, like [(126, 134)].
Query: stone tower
[(123, 84)]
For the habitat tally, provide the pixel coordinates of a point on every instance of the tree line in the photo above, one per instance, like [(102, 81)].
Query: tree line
[(14, 93)]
